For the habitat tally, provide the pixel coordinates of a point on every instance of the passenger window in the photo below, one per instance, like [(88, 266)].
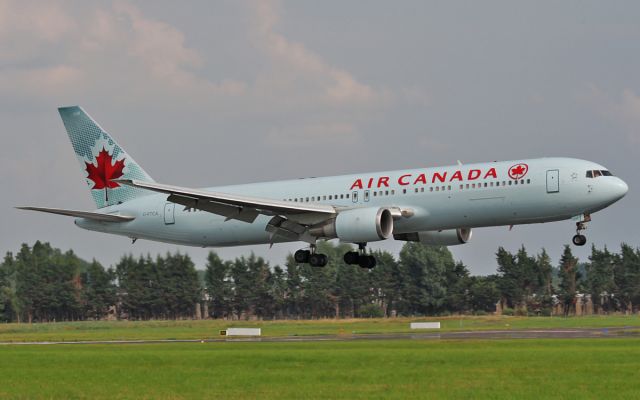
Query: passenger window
[(528, 181), (342, 196), (437, 188), (375, 193), (347, 195), (473, 185), (485, 184), (467, 186), (416, 190), (393, 192), (422, 189), (510, 183), (522, 181), (330, 197), (461, 187), (404, 191)]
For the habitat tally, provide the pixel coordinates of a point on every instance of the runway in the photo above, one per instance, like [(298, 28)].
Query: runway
[(591, 333)]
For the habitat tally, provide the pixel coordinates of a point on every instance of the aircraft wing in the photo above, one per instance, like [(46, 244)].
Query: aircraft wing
[(81, 214), (233, 206)]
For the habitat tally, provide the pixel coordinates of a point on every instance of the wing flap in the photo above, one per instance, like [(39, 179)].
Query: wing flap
[(81, 214), (231, 205)]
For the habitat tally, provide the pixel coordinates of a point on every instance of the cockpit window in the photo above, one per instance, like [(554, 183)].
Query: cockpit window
[(596, 173)]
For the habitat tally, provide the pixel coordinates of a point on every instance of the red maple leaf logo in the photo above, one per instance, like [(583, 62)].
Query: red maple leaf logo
[(518, 171), (104, 171)]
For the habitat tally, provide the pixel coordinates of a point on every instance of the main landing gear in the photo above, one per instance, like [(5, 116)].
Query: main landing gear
[(360, 257), (579, 239), (311, 257)]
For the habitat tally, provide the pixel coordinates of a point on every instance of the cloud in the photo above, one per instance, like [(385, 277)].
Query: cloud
[(113, 53), (293, 64), (624, 109)]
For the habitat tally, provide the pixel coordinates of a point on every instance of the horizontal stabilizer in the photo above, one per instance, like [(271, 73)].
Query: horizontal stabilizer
[(81, 214)]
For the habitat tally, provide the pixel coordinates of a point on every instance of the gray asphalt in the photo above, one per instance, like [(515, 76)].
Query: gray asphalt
[(456, 335)]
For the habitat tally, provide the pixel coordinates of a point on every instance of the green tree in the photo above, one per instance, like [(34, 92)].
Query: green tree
[(484, 293), (569, 278), (627, 278), (218, 285), (99, 290), (600, 282), (424, 270)]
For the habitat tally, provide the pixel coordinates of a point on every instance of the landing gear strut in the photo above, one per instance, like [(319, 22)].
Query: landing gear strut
[(579, 239), (360, 257), (311, 257)]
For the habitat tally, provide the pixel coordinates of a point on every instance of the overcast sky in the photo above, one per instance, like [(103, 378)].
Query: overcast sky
[(219, 92)]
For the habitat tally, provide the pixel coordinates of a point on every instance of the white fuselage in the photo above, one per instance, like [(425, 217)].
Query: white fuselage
[(460, 196)]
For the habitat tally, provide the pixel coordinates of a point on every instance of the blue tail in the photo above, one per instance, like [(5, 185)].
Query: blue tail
[(101, 159)]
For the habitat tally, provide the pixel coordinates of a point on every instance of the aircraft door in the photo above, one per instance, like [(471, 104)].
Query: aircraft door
[(169, 213), (553, 181)]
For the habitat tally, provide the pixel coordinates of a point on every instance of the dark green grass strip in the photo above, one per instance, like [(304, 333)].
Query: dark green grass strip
[(521, 369), (116, 330)]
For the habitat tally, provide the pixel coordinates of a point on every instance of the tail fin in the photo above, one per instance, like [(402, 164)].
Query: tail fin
[(101, 159)]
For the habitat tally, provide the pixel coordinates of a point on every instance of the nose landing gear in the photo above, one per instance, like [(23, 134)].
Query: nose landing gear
[(579, 239), (311, 257), (360, 257)]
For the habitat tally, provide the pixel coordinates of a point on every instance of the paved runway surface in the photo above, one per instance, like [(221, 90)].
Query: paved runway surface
[(456, 335)]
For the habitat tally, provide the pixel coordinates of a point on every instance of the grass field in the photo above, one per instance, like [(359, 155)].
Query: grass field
[(123, 330), (524, 369)]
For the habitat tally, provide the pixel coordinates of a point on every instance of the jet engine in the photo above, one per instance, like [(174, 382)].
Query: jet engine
[(358, 225), (448, 237)]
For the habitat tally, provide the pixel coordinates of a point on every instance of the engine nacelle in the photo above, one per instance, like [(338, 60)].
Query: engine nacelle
[(449, 237), (359, 225)]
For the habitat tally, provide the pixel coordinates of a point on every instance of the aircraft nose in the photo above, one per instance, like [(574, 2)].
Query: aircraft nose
[(619, 188)]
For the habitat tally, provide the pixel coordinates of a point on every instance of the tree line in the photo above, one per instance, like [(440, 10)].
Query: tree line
[(41, 283)]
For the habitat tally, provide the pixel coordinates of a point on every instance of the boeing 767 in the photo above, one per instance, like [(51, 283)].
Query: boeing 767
[(437, 206)]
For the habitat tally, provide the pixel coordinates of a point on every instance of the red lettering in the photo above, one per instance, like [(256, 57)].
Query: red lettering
[(491, 173), (383, 180), (357, 184), (474, 174), (421, 178), (436, 175), (370, 182), (401, 180), (457, 175)]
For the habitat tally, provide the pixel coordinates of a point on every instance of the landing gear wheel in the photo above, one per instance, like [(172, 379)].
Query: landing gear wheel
[(351, 257), (579, 240), (367, 262), (302, 256), (318, 260)]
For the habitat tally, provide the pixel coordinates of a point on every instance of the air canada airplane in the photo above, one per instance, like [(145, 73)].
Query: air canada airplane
[(436, 206)]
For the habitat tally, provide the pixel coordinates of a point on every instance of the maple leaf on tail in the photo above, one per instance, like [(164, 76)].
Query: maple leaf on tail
[(104, 171)]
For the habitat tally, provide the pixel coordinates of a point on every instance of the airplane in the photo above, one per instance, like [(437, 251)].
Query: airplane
[(433, 206)]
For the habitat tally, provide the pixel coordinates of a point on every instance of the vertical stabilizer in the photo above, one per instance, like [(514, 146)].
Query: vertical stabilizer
[(101, 159)]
